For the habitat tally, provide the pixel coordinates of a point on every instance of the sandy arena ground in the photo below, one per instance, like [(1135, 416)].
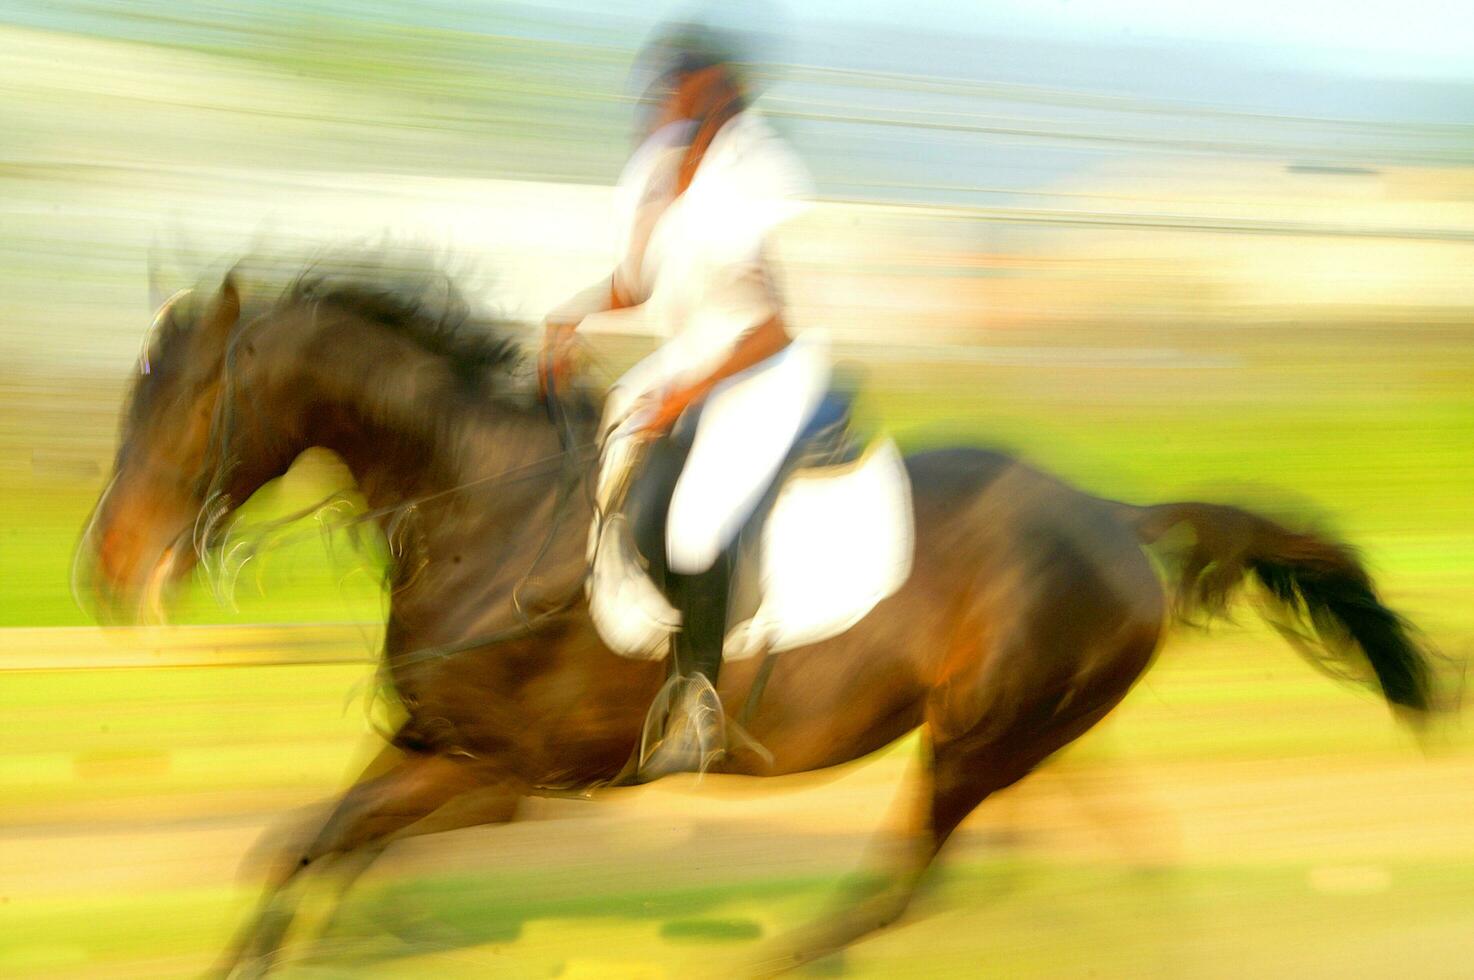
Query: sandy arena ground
[(1165, 844)]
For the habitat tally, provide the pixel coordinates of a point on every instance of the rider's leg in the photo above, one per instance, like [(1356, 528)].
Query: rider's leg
[(703, 600), (694, 730), (648, 504), (694, 733)]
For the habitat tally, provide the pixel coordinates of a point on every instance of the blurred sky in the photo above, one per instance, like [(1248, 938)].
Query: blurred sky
[(1414, 39), (1403, 38)]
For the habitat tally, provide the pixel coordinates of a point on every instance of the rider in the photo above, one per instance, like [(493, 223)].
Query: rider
[(727, 392)]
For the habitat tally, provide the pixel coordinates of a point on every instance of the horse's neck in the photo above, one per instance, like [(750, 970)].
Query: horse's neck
[(391, 466), (478, 461), (465, 484), (408, 428), (456, 482)]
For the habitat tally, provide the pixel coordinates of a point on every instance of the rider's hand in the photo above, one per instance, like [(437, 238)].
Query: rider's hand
[(663, 409)]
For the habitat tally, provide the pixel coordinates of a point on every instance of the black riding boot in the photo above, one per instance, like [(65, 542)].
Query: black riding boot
[(694, 734)]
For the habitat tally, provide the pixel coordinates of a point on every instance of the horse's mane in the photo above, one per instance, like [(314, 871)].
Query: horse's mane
[(415, 297)]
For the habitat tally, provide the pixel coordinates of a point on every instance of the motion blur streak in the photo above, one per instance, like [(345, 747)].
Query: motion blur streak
[(1160, 265)]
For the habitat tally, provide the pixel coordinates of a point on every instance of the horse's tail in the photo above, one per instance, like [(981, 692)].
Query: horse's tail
[(1326, 602)]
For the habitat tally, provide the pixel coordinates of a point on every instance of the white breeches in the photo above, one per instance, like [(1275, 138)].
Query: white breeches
[(747, 428)]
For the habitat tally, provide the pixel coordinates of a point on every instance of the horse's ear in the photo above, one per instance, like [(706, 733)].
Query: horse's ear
[(226, 309), (166, 277), (158, 294)]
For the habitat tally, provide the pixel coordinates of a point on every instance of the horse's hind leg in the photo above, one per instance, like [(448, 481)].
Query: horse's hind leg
[(965, 769), (358, 828), (966, 772), (962, 777), (969, 768)]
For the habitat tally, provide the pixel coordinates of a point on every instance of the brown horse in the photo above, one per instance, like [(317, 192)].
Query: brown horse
[(1031, 611)]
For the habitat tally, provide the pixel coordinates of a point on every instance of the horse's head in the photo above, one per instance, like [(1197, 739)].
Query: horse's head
[(386, 367), (167, 477)]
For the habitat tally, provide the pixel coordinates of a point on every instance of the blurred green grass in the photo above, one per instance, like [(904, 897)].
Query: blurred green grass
[(1039, 918)]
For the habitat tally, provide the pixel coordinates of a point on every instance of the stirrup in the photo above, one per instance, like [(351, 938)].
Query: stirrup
[(655, 718), (702, 736), (739, 738)]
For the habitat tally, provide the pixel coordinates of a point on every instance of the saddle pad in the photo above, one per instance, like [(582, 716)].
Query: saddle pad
[(839, 539)]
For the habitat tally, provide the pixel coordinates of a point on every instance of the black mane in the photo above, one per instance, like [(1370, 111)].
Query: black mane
[(417, 300)]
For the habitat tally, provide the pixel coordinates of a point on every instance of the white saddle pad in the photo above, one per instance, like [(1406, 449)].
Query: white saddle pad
[(837, 542)]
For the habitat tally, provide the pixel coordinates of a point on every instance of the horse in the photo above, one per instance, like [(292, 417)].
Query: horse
[(1031, 610)]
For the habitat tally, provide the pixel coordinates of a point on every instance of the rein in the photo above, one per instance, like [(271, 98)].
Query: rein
[(507, 477), (223, 418), (571, 457)]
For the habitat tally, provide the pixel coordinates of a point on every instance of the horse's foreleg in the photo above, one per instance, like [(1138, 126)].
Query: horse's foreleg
[(360, 824), (276, 855)]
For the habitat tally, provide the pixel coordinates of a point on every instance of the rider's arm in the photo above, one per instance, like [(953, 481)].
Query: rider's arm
[(560, 324), (601, 297), (753, 347), (614, 291)]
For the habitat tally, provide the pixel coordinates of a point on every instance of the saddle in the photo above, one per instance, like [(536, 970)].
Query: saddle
[(829, 539), (826, 441)]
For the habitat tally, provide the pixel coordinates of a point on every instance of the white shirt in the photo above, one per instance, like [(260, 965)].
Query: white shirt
[(695, 260), (699, 267)]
